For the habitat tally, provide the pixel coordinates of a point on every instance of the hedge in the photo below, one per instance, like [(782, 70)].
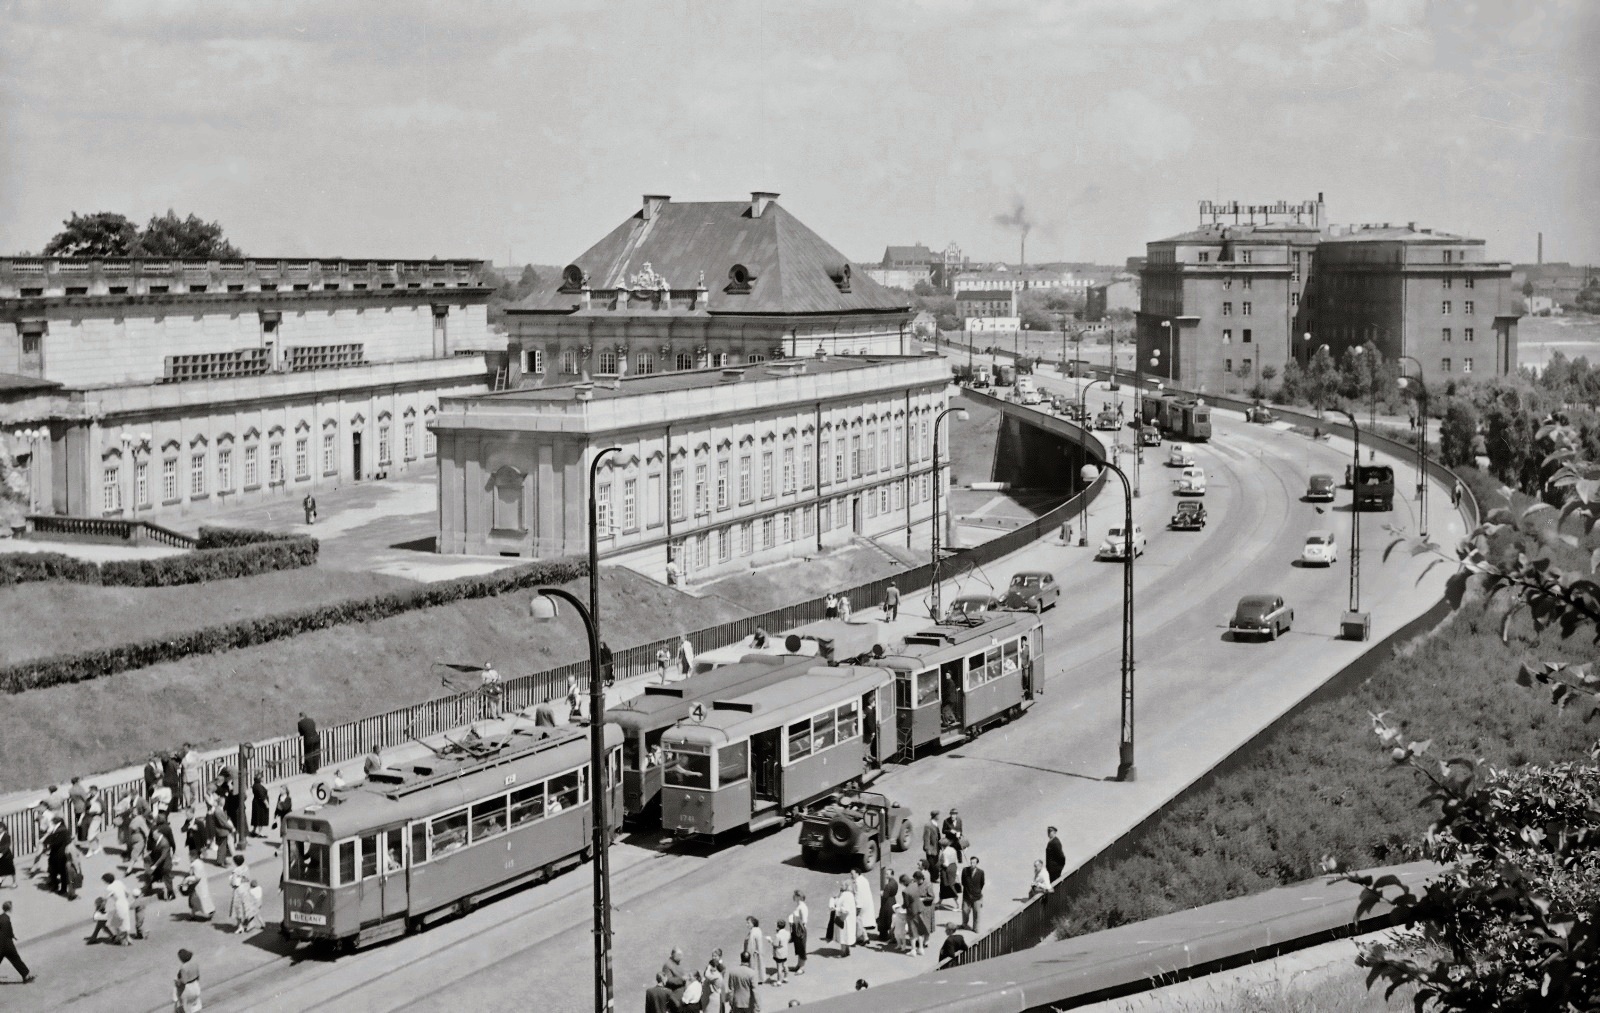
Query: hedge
[(221, 554), (67, 668)]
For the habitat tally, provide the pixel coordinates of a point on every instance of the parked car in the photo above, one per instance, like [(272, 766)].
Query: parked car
[(1261, 615), (1180, 456), (854, 831), (1190, 516), (1116, 543), (1062, 405), (1032, 591), (1260, 413), (972, 606), (1192, 482), (1150, 436), (1321, 549), (1320, 488), (1107, 420)]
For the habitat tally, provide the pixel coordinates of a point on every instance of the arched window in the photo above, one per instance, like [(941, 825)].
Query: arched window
[(569, 361), (608, 362), (644, 363), (685, 361)]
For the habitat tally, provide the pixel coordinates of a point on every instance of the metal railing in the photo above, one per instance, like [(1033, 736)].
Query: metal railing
[(108, 529)]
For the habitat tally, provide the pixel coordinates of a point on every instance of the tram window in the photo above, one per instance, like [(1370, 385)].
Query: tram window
[(822, 732), (1010, 663), (419, 843), (449, 833), (683, 769), (308, 863), (733, 763), (633, 752), (563, 792), (347, 862), (489, 819), (975, 671), (395, 851), (527, 804), (927, 687), (849, 721), (902, 690), (799, 740), (583, 786), (994, 665), (369, 856)]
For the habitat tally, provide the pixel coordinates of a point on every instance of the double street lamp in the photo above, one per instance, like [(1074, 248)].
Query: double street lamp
[(544, 609), (1355, 624), (960, 413), (1422, 441), (32, 437), (1125, 771)]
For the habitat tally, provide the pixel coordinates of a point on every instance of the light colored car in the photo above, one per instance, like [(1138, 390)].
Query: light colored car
[(1261, 615), (1180, 456), (1321, 549), (1116, 543), (1192, 482)]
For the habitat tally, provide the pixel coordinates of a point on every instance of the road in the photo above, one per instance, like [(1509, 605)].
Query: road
[(1200, 694)]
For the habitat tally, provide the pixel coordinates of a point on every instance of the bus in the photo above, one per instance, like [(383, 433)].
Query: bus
[(764, 757), (1186, 418), (438, 835), (953, 681), (644, 719)]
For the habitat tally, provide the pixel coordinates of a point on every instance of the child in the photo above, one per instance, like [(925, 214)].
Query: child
[(100, 924), (780, 953)]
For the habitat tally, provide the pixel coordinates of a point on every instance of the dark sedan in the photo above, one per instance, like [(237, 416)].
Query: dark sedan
[(1032, 591)]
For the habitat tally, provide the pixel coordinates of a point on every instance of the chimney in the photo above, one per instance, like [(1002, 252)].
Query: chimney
[(759, 201), (1541, 248), (652, 204)]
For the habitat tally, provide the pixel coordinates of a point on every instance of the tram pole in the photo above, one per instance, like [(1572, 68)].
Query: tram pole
[(1125, 769), (960, 413)]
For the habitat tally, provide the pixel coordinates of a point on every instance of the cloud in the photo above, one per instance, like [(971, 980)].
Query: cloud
[(1143, 129)]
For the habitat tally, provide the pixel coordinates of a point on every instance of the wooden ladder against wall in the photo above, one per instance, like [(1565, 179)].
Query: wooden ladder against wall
[(500, 378)]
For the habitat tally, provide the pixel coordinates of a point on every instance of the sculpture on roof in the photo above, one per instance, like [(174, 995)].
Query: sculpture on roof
[(648, 279)]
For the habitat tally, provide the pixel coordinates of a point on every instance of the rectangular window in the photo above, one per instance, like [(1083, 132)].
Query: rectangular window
[(411, 440), (788, 470), (1444, 335), (766, 474), (447, 833), (1449, 256), (141, 483), (602, 510), (883, 499), (224, 469), (849, 721), (702, 551), (430, 442), (855, 457), (827, 461), (1247, 336), (252, 468), (768, 533), (681, 768), (838, 460), (533, 360), (369, 856), (746, 486), (724, 545), (275, 463), (1205, 257), (384, 457), (330, 452), (675, 494), (722, 485), (630, 504), (1244, 367), (870, 463), (1244, 257), (799, 740), (527, 804), (111, 488), (826, 517), (808, 476), (822, 731), (1447, 284), (569, 361), (302, 457), (308, 863), (1444, 365), (1244, 309), (807, 523), (197, 474), (733, 763), (1466, 307), (1294, 299), (1466, 334), (489, 819), (702, 493), (1247, 284), (1468, 282), (565, 792), (1296, 274), (788, 527), (747, 538), (1444, 307), (1227, 336), (1466, 365), (1227, 365), (1227, 309)]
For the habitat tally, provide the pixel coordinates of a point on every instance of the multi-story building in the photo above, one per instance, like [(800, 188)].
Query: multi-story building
[(135, 388), (1120, 294), (976, 304), (686, 286), (718, 469), (1413, 291)]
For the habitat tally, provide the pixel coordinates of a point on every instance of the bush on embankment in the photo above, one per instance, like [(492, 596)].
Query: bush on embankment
[(219, 554)]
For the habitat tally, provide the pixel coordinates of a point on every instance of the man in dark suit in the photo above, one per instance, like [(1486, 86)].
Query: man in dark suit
[(972, 879), (152, 774), (932, 841), (8, 944), (953, 829), (311, 744), (1055, 856)]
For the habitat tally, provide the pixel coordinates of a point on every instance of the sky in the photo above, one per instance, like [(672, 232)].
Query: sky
[(524, 132)]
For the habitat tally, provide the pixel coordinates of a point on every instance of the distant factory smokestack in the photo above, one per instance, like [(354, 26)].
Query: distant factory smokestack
[(1541, 248)]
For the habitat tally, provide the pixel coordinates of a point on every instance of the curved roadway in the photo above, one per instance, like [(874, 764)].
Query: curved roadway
[(1199, 695)]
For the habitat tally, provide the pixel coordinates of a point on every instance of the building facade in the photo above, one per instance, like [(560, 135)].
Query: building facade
[(687, 286), (1118, 295), (718, 469), (152, 388), (978, 304)]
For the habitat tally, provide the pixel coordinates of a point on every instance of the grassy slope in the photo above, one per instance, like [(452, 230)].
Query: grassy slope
[(972, 443), (335, 674), (42, 619)]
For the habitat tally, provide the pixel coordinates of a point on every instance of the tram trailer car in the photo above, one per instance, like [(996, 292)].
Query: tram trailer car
[(765, 756), (954, 680), (1181, 417), (439, 835), (644, 719)]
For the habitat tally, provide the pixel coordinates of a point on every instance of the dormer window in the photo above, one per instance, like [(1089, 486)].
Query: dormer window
[(573, 278), (740, 279)]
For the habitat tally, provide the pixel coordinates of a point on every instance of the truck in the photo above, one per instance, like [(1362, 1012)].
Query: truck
[(854, 830), (1005, 376), (1374, 487)]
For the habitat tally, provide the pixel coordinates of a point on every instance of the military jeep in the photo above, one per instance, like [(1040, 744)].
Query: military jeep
[(854, 830)]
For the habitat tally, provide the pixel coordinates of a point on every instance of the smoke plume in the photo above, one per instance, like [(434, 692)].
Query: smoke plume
[(1017, 219)]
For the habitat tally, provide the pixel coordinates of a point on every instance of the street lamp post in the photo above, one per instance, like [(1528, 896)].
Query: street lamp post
[(1422, 443), (960, 413), (1125, 769), (1306, 338), (1355, 624), (1083, 423), (32, 437)]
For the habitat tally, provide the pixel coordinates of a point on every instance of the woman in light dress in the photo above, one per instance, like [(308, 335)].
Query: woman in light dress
[(843, 912), (199, 891), (119, 915), (243, 908), (186, 987)]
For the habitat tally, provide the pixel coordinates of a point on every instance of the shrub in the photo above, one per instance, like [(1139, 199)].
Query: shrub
[(61, 669), (28, 567), (221, 554)]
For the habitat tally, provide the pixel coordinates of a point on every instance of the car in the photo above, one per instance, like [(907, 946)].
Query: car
[(1261, 615), (1116, 543), (1180, 456), (853, 831), (1032, 397), (1321, 549), (1192, 482), (1190, 516), (972, 606), (1150, 436), (1107, 420), (1059, 403), (1032, 591), (1261, 414), (1319, 488)]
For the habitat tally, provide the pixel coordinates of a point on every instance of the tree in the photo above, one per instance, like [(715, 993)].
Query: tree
[(1456, 431), (1268, 372), (100, 234), (1588, 299), (13, 491), (1320, 380), (184, 238), (923, 288)]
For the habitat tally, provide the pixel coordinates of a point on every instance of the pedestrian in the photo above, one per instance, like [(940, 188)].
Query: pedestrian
[(8, 858), (1455, 494), (608, 666), (43, 823), (932, 838), (186, 986), (58, 843), (8, 944), (900, 929), (891, 603), (160, 803), (741, 988), (192, 771), (99, 919), (152, 774), (755, 948), (172, 776), (672, 974), (159, 868), (374, 761), (1413, 421), (222, 830), (197, 832), (780, 952), (953, 945), (674, 573), (260, 806), (799, 929), (74, 874), (949, 875), (572, 699), (119, 917), (685, 656), (919, 911), (136, 834), (953, 830), (844, 607), (830, 606), (972, 879), (843, 914), (865, 909), (715, 984), (1041, 879), (886, 905), (310, 745), (243, 908), (78, 808), (284, 807), (138, 900), (309, 504), (658, 998), (663, 657), (198, 890), (1055, 856)]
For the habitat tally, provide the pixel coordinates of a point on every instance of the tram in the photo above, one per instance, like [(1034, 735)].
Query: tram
[(762, 757), (644, 719), (1181, 417), (436, 836), (954, 680)]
